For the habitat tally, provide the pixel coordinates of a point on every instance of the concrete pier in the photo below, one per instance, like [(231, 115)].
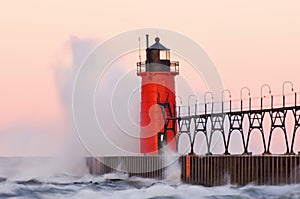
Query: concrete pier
[(207, 170)]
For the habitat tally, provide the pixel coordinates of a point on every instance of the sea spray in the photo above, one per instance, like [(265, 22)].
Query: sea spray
[(87, 186), (27, 168), (172, 168)]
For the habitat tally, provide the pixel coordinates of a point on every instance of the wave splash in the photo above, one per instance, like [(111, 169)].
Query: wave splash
[(121, 186)]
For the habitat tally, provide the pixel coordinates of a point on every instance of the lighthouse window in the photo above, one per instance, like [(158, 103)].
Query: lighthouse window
[(164, 54), (168, 55)]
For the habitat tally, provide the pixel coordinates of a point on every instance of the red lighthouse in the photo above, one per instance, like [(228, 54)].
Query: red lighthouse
[(158, 87)]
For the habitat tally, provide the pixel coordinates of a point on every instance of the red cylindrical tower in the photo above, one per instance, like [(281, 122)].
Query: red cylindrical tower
[(158, 86)]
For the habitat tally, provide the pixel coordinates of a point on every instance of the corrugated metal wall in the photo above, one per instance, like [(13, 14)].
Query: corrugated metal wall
[(240, 170), (207, 170)]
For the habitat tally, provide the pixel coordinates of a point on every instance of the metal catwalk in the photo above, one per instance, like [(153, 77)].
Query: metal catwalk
[(242, 116)]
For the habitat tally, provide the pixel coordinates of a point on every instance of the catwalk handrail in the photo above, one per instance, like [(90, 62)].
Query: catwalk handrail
[(236, 120)]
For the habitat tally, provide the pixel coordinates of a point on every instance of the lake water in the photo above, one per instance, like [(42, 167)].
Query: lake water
[(40, 178), (120, 186)]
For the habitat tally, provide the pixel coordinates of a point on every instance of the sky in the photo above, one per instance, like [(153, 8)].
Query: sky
[(250, 43)]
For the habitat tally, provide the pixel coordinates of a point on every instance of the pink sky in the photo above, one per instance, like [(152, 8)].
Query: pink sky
[(251, 43)]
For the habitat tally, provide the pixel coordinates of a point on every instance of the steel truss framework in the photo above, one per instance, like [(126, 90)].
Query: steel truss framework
[(236, 121)]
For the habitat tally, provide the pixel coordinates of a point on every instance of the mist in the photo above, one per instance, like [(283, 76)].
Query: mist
[(46, 148)]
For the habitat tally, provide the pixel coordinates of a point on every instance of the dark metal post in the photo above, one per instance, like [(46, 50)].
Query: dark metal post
[(205, 100), (283, 85), (223, 98), (271, 101), (147, 41), (249, 103), (261, 92), (189, 108), (241, 95), (241, 104), (222, 107)]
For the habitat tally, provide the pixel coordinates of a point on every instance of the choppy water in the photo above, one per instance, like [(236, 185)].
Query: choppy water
[(120, 186), (37, 178)]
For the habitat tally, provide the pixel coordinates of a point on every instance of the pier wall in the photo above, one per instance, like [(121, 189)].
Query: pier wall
[(140, 166), (207, 170), (240, 170)]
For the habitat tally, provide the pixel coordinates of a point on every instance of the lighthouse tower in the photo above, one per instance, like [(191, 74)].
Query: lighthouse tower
[(158, 99)]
